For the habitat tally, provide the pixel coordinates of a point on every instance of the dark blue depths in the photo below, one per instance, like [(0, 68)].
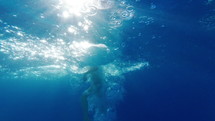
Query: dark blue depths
[(179, 85)]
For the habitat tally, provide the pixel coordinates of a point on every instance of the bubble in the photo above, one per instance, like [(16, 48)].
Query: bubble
[(123, 45), (115, 20), (130, 8), (123, 3), (114, 92), (153, 6), (14, 15), (116, 23), (92, 11), (127, 15), (146, 20), (105, 4), (115, 16)]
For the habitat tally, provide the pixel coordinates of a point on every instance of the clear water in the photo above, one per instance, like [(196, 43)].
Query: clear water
[(47, 46), (60, 40)]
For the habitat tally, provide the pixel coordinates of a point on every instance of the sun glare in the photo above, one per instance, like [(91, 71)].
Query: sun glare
[(80, 49), (76, 7)]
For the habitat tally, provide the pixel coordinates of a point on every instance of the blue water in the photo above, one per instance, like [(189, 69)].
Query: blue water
[(174, 39)]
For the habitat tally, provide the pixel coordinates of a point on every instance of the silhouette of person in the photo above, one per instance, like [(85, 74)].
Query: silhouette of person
[(97, 88)]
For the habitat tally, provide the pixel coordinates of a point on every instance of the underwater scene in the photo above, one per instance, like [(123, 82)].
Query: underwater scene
[(107, 60)]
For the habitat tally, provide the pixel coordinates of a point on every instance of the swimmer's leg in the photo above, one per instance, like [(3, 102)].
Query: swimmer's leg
[(85, 106)]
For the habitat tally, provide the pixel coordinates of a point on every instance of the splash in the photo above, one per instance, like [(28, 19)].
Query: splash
[(81, 44)]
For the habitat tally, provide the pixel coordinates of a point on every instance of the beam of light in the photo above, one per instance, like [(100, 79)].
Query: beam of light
[(77, 7)]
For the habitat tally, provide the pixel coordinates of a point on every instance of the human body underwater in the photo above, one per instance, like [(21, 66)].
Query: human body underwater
[(83, 38), (96, 88)]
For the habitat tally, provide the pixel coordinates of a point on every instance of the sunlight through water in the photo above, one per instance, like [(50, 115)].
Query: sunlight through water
[(73, 36)]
